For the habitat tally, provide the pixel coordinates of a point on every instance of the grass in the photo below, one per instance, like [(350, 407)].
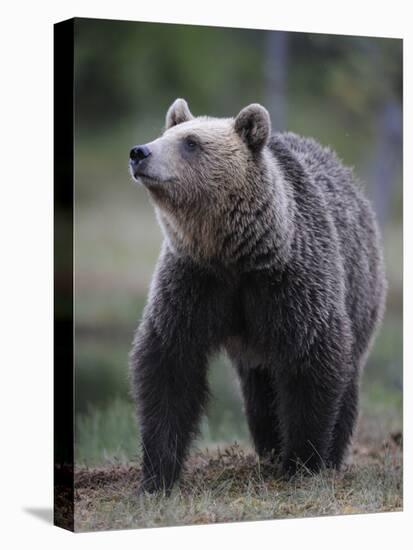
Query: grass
[(107, 435), (233, 485), (228, 483)]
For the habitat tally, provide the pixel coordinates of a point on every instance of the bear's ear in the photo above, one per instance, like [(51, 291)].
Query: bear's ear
[(253, 124), (177, 113)]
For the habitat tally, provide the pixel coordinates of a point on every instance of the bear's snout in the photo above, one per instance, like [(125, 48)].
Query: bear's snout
[(137, 156), (139, 153)]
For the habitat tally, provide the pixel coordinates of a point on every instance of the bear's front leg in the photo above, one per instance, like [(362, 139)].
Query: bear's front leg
[(182, 323), (310, 394), (171, 386)]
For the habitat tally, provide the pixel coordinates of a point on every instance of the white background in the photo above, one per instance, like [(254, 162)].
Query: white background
[(26, 268)]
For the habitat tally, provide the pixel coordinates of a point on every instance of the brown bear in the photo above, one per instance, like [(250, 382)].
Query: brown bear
[(272, 253)]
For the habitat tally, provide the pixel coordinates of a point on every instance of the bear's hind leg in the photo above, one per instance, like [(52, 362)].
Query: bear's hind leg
[(260, 407), (346, 422), (310, 394)]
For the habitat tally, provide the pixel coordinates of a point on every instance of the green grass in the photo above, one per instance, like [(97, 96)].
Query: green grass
[(234, 485), (107, 435), (224, 482), (110, 434)]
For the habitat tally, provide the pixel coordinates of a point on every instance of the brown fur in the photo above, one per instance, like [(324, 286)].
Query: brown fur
[(273, 253), (205, 209)]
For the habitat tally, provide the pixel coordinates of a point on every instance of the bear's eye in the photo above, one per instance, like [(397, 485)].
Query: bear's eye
[(190, 144)]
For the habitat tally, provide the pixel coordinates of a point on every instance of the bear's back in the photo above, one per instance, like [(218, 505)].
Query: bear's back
[(325, 169), (314, 169)]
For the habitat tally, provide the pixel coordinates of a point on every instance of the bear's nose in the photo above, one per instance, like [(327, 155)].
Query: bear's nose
[(139, 153)]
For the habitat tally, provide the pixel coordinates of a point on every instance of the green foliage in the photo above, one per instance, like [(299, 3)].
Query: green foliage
[(136, 69), (127, 68)]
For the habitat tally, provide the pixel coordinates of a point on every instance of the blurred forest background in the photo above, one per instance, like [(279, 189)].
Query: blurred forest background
[(345, 91)]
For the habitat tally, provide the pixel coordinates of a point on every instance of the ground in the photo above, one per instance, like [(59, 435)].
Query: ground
[(233, 485)]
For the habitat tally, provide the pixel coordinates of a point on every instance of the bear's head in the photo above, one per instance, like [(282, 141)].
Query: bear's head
[(207, 176)]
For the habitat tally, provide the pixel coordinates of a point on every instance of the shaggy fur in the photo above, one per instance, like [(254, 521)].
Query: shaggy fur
[(271, 252)]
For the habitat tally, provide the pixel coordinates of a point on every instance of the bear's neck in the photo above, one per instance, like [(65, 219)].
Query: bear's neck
[(250, 229)]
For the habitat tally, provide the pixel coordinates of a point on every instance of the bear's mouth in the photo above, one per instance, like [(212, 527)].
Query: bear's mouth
[(142, 177), (146, 177), (148, 180)]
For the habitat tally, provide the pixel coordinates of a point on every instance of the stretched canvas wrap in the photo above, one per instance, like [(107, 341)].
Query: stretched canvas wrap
[(228, 274)]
